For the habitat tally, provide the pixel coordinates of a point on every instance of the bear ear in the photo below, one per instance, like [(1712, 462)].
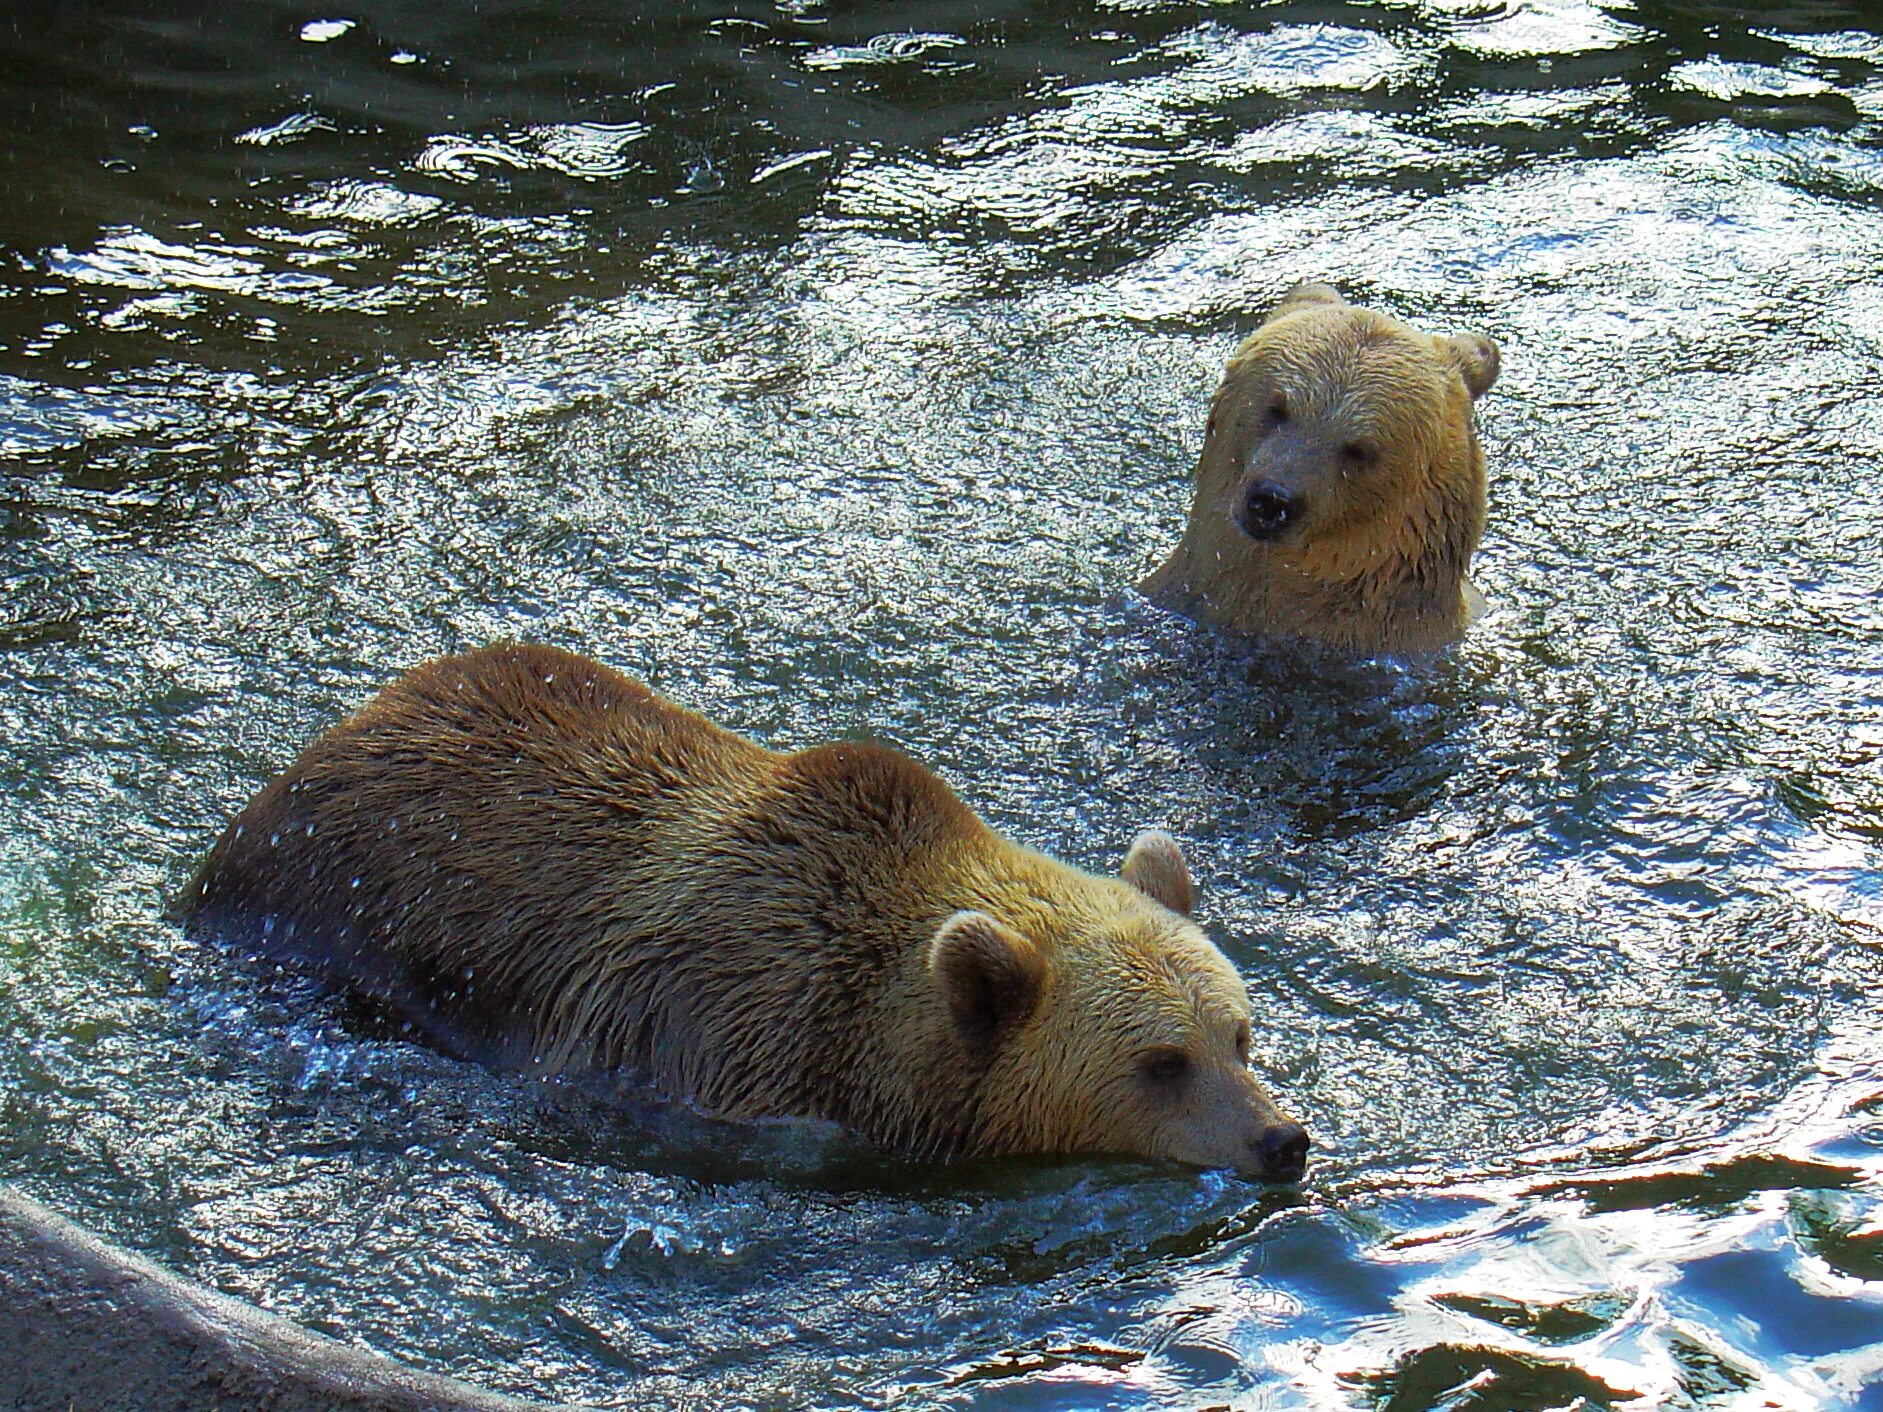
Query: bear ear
[(1305, 296), (1475, 357), (1155, 867), (991, 975)]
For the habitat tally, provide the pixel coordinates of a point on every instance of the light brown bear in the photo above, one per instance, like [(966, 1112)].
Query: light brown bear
[(538, 861), (1340, 493)]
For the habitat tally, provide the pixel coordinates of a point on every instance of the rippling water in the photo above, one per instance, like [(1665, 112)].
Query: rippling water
[(837, 369)]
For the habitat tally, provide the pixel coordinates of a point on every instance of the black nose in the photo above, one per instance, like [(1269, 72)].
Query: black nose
[(1283, 1149), (1268, 510)]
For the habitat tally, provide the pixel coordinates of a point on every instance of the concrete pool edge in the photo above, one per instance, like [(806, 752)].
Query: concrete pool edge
[(87, 1324)]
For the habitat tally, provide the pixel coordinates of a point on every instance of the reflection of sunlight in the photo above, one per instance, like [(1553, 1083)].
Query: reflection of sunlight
[(288, 129), (1599, 1283), (1728, 81), (587, 149), (36, 418), (131, 259), (460, 157), (1285, 60), (883, 49), (321, 31), (1836, 876), (1838, 44), (590, 151), (1592, 1292), (1341, 134), (370, 203), (1535, 27)]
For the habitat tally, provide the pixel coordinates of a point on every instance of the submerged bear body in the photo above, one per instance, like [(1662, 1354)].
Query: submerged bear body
[(537, 860), (1340, 493)]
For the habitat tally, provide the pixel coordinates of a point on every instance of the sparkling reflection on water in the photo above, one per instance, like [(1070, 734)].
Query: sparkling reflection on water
[(837, 371)]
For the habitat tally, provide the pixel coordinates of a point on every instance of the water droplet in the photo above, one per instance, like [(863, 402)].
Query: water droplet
[(320, 31), (612, 1256)]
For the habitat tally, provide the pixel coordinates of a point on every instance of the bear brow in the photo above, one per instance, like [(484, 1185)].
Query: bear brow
[(1166, 974), (1341, 384), (1148, 970), (1360, 413), (1372, 394)]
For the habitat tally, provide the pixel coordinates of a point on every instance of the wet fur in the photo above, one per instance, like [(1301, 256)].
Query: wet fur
[(537, 860)]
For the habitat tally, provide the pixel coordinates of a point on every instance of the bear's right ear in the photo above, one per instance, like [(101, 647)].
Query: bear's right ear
[(1305, 296), (991, 975), (1155, 867), (1476, 358)]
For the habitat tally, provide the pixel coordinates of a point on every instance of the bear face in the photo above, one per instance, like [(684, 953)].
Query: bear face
[(1119, 1026), (1340, 492)]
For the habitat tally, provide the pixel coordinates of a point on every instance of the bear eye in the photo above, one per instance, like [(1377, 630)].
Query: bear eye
[(1278, 412), (1357, 454), (1166, 1068), (1242, 1041)]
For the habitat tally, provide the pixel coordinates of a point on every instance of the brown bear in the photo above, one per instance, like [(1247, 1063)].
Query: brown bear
[(537, 861), (1340, 493)]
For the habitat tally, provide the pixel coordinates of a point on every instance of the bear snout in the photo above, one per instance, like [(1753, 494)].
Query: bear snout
[(1282, 1149), (1268, 510)]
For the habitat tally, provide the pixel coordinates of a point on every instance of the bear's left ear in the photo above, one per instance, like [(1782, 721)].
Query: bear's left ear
[(991, 975), (1476, 359), (1155, 867)]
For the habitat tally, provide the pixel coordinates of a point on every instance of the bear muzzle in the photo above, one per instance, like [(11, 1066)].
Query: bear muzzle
[(1236, 1124)]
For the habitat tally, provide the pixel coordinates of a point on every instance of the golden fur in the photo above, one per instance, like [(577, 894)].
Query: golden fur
[(537, 860), (1364, 427)]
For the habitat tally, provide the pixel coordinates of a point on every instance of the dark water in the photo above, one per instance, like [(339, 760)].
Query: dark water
[(837, 369)]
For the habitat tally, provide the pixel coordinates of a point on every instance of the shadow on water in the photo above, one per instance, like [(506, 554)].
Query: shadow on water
[(838, 373)]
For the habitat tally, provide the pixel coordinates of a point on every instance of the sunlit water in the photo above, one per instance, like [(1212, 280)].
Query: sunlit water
[(840, 382)]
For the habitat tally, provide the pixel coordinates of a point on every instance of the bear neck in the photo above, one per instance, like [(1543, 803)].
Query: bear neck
[(1358, 593), (938, 1096)]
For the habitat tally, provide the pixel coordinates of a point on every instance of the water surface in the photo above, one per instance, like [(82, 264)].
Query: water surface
[(837, 370)]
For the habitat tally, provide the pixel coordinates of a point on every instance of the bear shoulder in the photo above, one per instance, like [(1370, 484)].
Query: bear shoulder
[(865, 785), (508, 680)]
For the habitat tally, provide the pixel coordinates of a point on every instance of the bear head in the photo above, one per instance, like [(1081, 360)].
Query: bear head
[(1108, 1022), (1340, 491)]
